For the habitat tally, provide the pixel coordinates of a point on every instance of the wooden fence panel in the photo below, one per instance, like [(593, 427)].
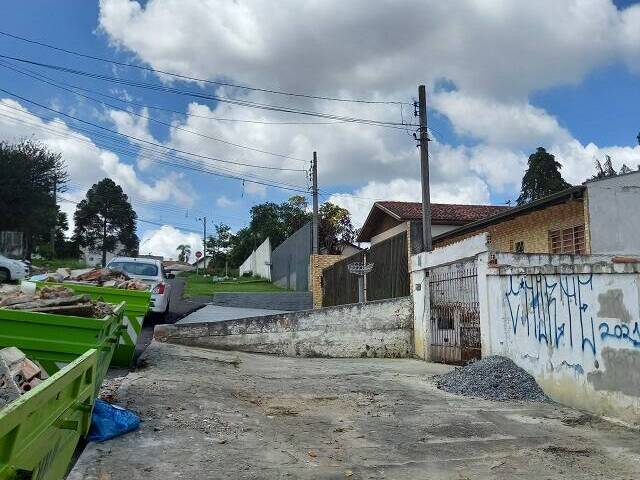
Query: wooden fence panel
[(339, 286), (390, 275)]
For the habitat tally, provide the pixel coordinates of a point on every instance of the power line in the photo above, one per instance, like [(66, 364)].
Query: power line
[(195, 79), (189, 165), (49, 81), (131, 137), (230, 100)]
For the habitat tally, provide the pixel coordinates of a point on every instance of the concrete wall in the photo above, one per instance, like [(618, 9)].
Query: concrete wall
[(290, 261), (374, 329), (573, 323), (613, 219), (259, 262)]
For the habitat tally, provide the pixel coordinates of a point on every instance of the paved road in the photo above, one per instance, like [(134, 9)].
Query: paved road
[(292, 301), (222, 415), (218, 313), (178, 308)]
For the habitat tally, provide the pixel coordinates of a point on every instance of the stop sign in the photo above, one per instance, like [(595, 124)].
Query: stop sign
[(198, 254)]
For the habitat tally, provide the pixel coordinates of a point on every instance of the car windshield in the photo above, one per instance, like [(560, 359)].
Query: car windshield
[(136, 268)]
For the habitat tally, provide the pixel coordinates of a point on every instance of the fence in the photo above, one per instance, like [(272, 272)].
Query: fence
[(389, 278)]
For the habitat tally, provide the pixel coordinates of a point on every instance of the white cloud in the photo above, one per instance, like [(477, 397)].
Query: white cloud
[(86, 162), (165, 240), (225, 202), (495, 53)]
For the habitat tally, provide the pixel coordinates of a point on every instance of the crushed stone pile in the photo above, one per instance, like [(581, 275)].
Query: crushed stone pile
[(492, 378), (57, 300)]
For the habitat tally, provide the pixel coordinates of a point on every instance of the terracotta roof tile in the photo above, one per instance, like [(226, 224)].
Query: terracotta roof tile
[(442, 213)]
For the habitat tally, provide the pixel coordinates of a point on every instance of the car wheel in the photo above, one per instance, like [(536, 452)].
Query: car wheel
[(5, 275)]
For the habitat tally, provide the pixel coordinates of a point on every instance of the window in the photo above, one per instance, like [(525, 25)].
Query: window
[(518, 247), (567, 240), (136, 268)]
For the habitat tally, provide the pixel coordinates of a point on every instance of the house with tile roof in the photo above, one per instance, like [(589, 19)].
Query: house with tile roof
[(389, 218)]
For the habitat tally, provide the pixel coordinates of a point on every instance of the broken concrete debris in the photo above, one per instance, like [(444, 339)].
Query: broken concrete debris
[(492, 378), (57, 300), (18, 374), (104, 277)]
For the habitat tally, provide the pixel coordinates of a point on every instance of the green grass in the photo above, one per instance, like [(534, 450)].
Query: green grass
[(197, 285), (55, 263)]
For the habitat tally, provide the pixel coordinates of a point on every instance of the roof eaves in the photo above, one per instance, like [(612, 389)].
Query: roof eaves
[(513, 212)]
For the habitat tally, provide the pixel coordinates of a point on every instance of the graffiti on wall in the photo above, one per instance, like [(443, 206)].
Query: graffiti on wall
[(558, 311)]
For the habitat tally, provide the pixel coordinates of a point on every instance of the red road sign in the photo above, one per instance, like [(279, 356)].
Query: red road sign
[(198, 254)]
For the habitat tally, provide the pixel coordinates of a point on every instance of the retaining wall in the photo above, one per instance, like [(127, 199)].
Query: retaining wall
[(374, 329)]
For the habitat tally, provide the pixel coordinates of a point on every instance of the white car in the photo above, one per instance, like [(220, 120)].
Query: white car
[(11, 270), (149, 271)]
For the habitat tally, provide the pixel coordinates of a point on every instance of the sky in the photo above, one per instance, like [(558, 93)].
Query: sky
[(503, 77)]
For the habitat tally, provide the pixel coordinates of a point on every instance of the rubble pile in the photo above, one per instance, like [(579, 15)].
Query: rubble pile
[(18, 374), (103, 277), (56, 299), (492, 378)]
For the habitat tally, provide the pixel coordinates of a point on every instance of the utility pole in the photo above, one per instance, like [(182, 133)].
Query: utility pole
[(204, 246), (423, 143), (314, 173), (55, 220)]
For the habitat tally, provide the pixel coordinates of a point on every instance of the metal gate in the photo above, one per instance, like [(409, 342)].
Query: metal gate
[(455, 313)]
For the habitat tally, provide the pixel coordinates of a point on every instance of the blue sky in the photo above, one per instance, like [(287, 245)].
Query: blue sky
[(502, 80)]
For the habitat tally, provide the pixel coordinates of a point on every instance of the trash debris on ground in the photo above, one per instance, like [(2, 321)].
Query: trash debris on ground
[(492, 378), (18, 374), (104, 277), (55, 299), (109, 421)]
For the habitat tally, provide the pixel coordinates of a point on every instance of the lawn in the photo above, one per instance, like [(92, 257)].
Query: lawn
[(198, 285)]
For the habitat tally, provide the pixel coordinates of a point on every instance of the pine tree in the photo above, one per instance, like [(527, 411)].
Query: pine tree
[(542, 177)]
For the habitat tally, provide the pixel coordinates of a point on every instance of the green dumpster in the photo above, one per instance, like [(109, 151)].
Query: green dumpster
[(57, 340), (134, 313), (40, 430)]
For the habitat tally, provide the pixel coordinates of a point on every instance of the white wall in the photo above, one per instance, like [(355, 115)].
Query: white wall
[(259, 262), (263, 260), (613, 217), (573, 325)]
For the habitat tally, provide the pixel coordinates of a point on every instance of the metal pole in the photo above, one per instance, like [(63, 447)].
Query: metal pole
[(204, 251), (424, 170), (314, 169)]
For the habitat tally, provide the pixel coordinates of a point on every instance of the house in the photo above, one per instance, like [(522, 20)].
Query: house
[(93, 257), (597, 217), (388, 218), (345, 249)]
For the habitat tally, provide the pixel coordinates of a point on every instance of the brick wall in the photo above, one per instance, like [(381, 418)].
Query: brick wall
[(532, 228), (317, 264)]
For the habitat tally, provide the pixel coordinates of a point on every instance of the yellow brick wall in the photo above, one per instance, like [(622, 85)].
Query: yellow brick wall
[(317, 264), (531, 228)]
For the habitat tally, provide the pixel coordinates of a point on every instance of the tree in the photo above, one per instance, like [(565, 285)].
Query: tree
[(105, 218), (604, 170), (184, 252), (30, 172), (335, 228), (542, 177), (218, 245)]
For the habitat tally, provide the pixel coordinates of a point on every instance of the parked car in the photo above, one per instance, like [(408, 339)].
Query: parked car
[(151, 272), (11, 270)]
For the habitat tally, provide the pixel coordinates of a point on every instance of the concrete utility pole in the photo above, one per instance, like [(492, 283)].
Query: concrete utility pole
[(424, 170), (55, 221), (314, 173), (204, 246)]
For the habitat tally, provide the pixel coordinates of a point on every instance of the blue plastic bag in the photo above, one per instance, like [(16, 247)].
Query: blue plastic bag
[(110, 421)]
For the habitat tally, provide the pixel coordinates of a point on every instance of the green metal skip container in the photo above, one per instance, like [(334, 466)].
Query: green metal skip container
[(137, 306), (40, 430)]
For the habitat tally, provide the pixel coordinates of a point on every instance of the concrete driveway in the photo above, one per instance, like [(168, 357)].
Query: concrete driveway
[(210, 414)]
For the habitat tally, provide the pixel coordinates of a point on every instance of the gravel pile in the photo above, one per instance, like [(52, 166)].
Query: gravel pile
[(493, 378)]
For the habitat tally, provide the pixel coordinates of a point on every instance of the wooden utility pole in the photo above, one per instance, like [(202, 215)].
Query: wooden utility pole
[(314, 173), (424, 170)]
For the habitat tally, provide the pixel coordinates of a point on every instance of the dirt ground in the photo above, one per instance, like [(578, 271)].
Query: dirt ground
[(209, 414)]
